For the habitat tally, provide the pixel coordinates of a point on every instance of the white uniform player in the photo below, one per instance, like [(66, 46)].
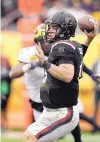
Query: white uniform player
[(32, 72), (34, 77), (80, 106)]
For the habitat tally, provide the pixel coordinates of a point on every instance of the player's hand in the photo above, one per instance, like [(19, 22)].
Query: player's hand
[(40, 54), (96, 77), (92, 34)]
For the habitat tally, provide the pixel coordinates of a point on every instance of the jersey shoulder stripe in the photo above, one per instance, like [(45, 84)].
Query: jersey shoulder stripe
[(65, 42)]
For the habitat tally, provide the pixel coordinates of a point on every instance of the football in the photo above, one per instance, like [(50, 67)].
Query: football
[(86, 23)]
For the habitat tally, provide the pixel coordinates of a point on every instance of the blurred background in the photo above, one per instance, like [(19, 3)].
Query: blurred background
[(19, 18)]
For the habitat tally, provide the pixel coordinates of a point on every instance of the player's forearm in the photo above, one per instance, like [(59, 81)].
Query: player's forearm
[(87, 70), (20, 69), (86, 44), (16, 72), (84, 49), (95, 77), (87, 41), (61, 73)]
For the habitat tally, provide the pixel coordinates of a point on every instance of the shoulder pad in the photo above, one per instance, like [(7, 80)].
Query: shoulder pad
[(27, 55)]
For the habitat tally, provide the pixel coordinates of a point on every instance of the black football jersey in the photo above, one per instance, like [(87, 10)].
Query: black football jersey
[(58, 93)]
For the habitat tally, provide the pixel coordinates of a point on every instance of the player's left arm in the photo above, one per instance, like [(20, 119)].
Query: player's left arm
[(24, 64), (95, 77), (21, 68)]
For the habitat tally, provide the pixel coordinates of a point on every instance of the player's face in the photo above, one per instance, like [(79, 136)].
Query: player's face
[(52, 31)]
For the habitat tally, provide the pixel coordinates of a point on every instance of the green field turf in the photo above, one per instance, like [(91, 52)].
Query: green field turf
[(10, 140), (86, 137)]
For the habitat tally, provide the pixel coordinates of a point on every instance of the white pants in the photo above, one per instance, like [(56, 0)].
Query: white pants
[(54, 123), (36, 114), (80, 106)]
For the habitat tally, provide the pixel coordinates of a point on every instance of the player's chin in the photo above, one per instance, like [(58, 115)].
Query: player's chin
[(49, 39)]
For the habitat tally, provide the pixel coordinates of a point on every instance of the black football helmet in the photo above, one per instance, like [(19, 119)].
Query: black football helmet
[(65, 21), (39, 37), (39, 33)]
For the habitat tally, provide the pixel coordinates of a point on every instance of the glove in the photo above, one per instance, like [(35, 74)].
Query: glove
[(35, 64), (96, 77), (29, 66)]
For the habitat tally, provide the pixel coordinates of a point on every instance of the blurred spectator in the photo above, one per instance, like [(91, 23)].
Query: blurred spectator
[(96, 5), (96, 69), (96, 11), (3, 12), (7, 6), (87, 5), (9, 14), (5, 89), (77, 9), (56, 6), (48, 3), (93, 7), (67, 3)]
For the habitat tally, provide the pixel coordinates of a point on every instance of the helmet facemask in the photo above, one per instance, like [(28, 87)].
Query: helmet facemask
[(52, 31)]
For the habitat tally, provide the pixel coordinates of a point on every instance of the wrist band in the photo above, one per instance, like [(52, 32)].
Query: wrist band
[(35, 64), (46, 65)]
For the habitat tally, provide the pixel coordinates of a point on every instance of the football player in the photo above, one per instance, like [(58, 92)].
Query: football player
[(60, 114), (33, 75)]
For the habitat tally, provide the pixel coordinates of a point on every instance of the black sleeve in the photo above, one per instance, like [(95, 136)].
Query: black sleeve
[(65, 53), (84, 49), (87, 70)]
